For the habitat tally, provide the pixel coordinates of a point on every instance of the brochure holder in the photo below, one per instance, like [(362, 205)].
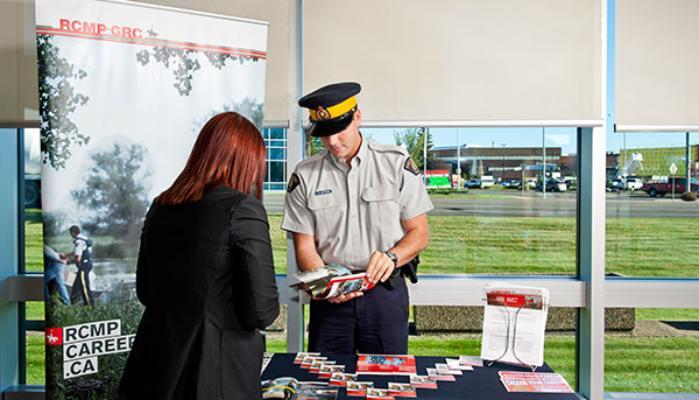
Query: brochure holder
[(514, 325)]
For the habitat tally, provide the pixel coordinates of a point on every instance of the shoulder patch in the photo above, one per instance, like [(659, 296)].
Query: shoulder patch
[(293, 183), (411, 166)]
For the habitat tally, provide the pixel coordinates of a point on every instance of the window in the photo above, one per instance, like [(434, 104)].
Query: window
[(275, 140), (492, 214), (651, 230)]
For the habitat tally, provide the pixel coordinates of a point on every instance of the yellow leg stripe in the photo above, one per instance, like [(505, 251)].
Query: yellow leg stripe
[(82, 279)]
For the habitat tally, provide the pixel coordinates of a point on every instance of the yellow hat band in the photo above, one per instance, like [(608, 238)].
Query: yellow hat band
[(322, 114)]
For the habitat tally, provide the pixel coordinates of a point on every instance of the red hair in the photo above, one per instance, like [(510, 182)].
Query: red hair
[(229, 151)]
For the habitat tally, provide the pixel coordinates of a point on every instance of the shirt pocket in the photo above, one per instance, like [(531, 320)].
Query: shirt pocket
[(382, 207), (327, 214)]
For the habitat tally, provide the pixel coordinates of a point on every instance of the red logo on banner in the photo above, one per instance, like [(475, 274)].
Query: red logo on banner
[(54, 336)]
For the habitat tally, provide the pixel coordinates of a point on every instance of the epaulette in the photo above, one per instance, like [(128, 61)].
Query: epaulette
[(387, 148)]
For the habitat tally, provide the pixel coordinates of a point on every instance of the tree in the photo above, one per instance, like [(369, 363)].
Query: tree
[(248, 108), (313, 145), (186, 62), (115, 191), (414, 141), (57, 100)]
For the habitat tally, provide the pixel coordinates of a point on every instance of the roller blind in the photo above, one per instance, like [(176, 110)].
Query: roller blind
[(19, 102), (458, 59), (18, 75), (657, 63)]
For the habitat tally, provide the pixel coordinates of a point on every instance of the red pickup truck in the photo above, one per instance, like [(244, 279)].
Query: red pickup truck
[(655, 189)]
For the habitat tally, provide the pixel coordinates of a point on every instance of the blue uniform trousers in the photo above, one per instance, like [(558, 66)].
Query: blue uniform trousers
[(375, 323)]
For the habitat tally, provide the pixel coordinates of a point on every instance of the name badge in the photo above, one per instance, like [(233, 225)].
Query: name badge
[(323, 192)]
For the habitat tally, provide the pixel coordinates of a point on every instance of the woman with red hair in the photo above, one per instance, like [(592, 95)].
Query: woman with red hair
[(205, 274)]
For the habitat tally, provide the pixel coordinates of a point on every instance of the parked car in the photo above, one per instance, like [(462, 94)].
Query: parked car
[(512, 184), (615, 185), (552, 185), (487, 181), (655, 189), (473, 183), (483, 182), (633, 183)]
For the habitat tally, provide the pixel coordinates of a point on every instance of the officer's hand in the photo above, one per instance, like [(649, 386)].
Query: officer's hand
[(380, 267), (345, 297)]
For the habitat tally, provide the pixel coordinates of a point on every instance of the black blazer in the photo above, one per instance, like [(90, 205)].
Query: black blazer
[(205, 275)]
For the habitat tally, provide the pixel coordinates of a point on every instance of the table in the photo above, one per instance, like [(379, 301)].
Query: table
[(482, 383)]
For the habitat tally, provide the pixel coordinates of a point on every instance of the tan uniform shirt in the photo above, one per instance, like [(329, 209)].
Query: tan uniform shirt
[(355, 211)]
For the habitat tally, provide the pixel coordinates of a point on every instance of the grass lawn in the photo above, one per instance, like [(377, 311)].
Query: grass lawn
[(36, 374), (526, 245), (476, 245)]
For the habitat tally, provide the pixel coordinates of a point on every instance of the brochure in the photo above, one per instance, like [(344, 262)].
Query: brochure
[(330, 281), (534, 382), (327, 370), (436, 376), (401, 390), (356, 388), (306, 363), (422, 382), (454, 364), (514, 323), (301, 356), (473, 361), (341, 378), (378, 394), (445, 370), (315, 366), (378, 364)]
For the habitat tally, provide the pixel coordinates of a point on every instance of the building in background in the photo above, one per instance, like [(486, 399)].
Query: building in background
[(500, 162)]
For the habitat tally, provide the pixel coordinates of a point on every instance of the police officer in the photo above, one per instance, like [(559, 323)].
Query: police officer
[(363, 205), (81, 293)]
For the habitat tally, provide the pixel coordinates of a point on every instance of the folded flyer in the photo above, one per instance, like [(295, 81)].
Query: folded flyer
[(331, 281)]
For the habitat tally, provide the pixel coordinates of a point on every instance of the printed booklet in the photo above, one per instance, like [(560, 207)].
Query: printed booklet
[(331, 281), (378, 364)]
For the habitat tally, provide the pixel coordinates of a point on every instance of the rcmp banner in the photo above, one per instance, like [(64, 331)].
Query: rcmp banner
[(124, 89)]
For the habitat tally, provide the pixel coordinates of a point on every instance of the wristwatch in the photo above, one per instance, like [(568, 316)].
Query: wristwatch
[(393, 258)]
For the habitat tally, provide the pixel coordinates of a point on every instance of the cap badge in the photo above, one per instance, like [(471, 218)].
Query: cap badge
[(322, 113)]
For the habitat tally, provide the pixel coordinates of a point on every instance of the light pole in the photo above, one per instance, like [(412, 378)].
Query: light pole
[(687, 158), (458, 158), (502, 163), (543, 157)]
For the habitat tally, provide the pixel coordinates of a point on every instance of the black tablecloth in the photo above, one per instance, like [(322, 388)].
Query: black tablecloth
[(481, 384)]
